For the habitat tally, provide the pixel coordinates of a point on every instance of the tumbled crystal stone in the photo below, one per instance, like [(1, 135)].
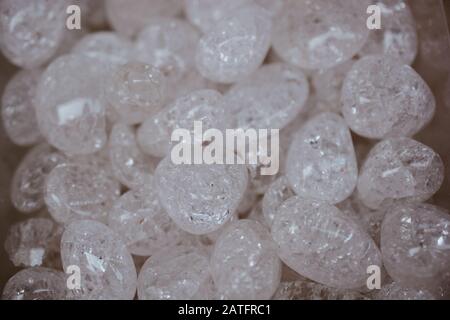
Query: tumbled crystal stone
[(415, 244), (106, 267), (244, 263), (200, 198), (28, 184), (278, 192), (36, 284), (32, 242), (269, 98), (395, 291), (142, 222), (382, 97), (18, 109), (136, 91), (31, 30), (321, 162), (236, 46), (399, 168), (80, 190), (320, 34), (321, 243), (175, 273), (70, 111)]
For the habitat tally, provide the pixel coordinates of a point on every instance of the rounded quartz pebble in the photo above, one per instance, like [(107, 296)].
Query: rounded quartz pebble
[(129, 164), (399, 168), (81, 190), (397, 37), (200, 198), (70, 111), (18, 108), (36, 284), (31, 30), (143, 223), (278, 192), (244, 263), (31, 242), (319, 242), (320, 34), (154, 135), (321, 162), (136, 91), (175, 273), (236, 46), (394, 291), (415, 244), (28, 184), (106, 267), (269, 98), (384, 98), (130, 17)]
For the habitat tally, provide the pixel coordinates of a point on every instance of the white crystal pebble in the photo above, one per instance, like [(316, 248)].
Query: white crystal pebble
[(269, 98), (321, 243), (36, 284), (31, 30), (320, 34), (136, 91), (130, 17), (154, 135), (394, 291), (70, 111), (397, 37), (415, 244), (18, 108), (175, 273), (236, 46), (321, 162), (32, 243), (278, 192), (107, 268), (399, 168), (384, 98), (244, 263), (140, 219), (129, 165), (28, 184), (81, 190), (200, 198)]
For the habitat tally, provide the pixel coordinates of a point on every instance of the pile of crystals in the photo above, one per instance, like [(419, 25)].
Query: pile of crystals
[(103, 200)]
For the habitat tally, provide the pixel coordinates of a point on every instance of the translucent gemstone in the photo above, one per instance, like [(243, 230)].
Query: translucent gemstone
[(31, 30), (18, 110), (140, 219), (244, 263), (236, 46), (200, 198), (154, 135), (395, 291), (175, 273), (321, 162), (106, 267), (278, 192), (397, 37), (399, 168), (136, 91), (129, 165), (36, 284), (130, 17), (32, 242), (415, 244), (70, 111), (269, 98), (27, 189), (320, 34), (384, 98), (81, 190), (321, 243)]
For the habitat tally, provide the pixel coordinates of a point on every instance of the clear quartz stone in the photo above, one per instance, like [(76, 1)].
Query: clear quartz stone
[(278, 192), (395, 291), (106, 267), (399, 168)]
